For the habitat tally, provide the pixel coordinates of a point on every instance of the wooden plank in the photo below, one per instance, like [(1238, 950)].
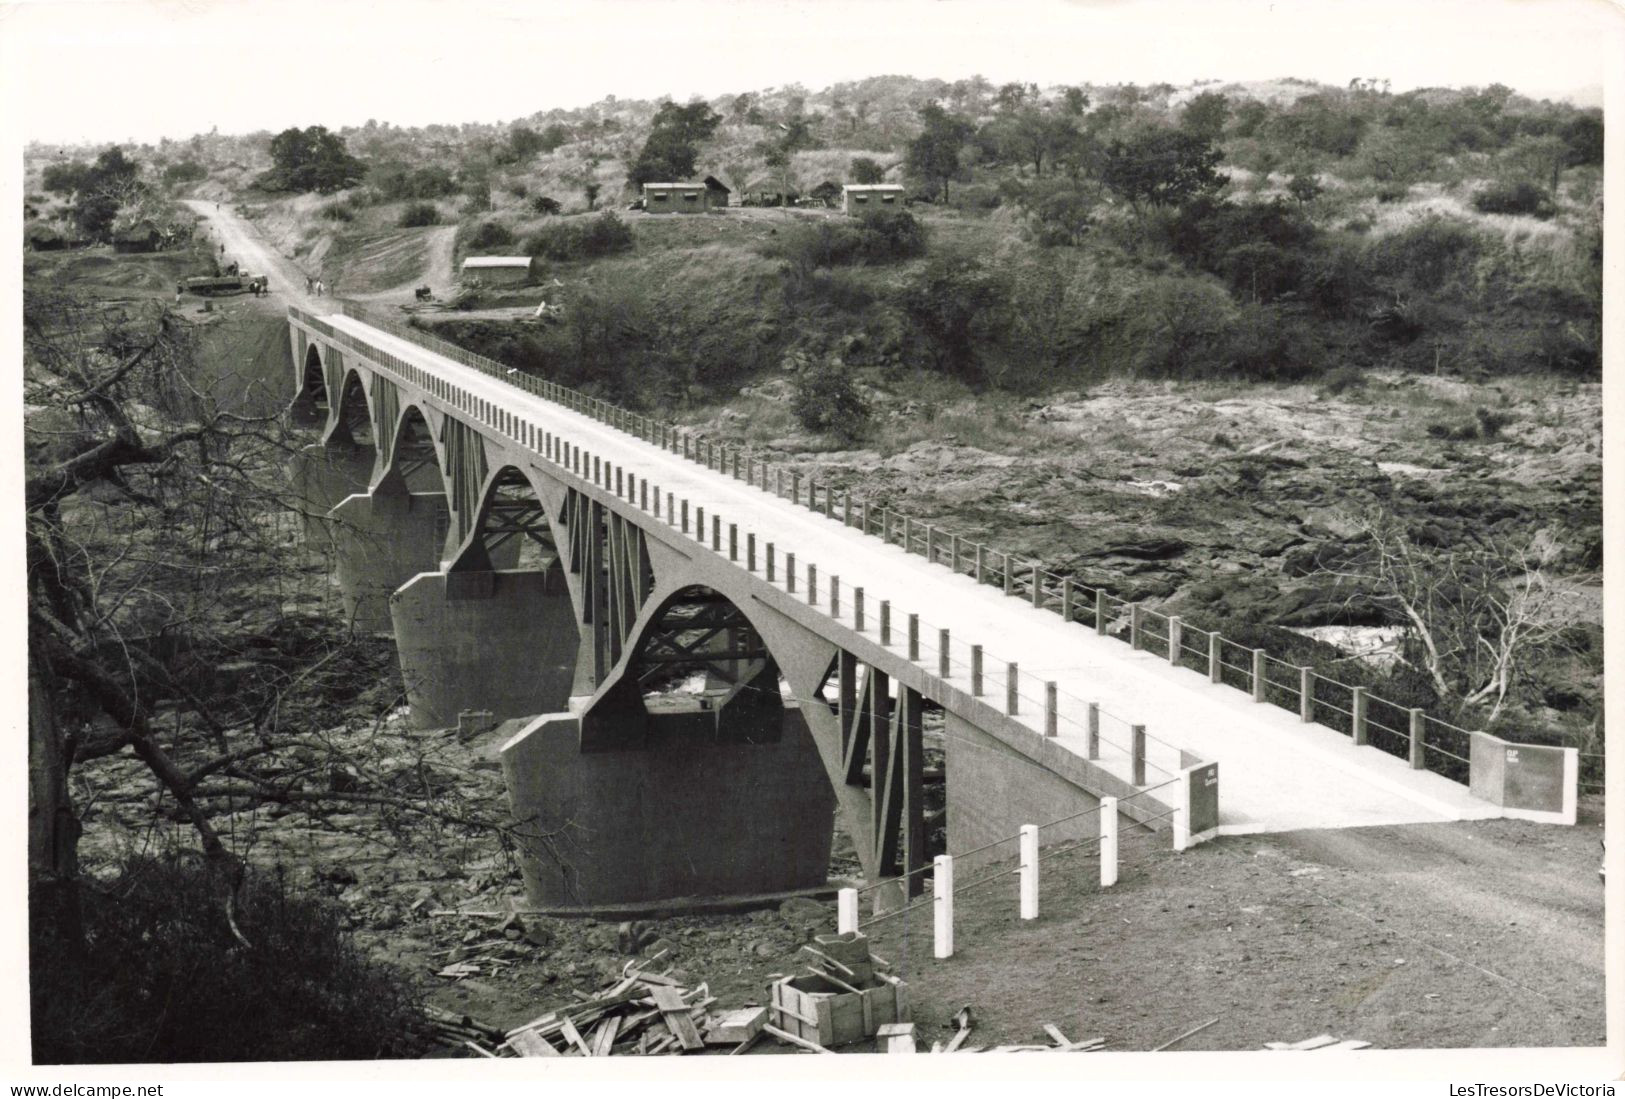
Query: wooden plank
[(738, 1025), (603, 1039), (573, 1036), (786, 1036), (1314, 1043), (1346, 1044), (527, 1043), (477, 1048), (1197, 1029), (675, 1012), (744, 1046)]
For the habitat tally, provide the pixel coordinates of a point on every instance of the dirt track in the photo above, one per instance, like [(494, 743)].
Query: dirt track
[(1486, 933), (245, 246)]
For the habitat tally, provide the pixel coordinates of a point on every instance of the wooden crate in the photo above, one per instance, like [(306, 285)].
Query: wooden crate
[(821, 1011)]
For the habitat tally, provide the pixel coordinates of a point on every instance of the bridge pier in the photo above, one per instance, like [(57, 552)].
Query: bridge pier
[(322, 476), (383, 540), (691, 812), (502, 641)]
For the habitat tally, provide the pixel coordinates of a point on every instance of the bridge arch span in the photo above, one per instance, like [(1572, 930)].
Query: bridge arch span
[(311, 402)]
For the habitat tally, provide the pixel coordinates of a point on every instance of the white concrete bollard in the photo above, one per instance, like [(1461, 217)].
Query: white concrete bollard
[(846, 911), (1029, 871), (1108, 842), (1182, 823), (942, 893)]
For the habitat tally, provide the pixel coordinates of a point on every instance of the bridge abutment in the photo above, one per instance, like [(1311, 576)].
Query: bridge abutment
[(993, 791), (502, 641), (690, 813), (383, 540)]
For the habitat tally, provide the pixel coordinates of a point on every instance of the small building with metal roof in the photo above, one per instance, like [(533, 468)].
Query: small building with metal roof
[(858, 198), (499, 270)]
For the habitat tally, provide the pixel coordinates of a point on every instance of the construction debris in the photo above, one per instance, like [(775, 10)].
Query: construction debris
[(643, 1013), (1322, 1042), (846, 1002), (1197, 1029)]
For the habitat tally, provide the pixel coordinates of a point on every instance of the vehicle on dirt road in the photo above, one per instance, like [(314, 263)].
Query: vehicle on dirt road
[(208, 285)]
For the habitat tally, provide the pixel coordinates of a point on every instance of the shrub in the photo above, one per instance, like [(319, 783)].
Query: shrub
[(419, 214), (881, 236), (488, 235), (866, 170), (543, 204), (1341, 380), (1514, 198), (1270, 344), (826, 401), (957, 304), (604, 235), (163, 979), (1304, 187), (1490, 422), (338, 211)]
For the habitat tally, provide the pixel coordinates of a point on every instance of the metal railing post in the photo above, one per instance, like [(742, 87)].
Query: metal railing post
[(1215, 667), (942, 905), (943, 663), (790, 573), (1358, 722), (1038, 586), (976, 671), (1012, 699), (1094, 730), (885, 622), (914, 637), (1416, 739), (1108, 842), (1029, 871), (1137, 752), (1134, 621), (857, 609), (846, 912), (1258, 675), (1306, 694), (1175, 628), (1051, 712), (1100, 611)]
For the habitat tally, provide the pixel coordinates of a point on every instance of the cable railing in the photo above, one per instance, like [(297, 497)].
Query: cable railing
[(1314, 696), (1030, 855)]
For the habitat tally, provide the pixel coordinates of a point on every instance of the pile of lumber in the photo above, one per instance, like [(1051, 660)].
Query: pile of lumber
[(641, 1014)]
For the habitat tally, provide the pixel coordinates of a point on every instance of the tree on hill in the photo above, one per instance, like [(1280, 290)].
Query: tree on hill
[(1161, 168), (933, 156), (1030, 134), (1206, 115), (311, 159), (673, 145), (101, 189)]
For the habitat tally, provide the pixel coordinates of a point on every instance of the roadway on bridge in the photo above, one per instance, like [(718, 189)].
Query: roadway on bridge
[(1276, 773)]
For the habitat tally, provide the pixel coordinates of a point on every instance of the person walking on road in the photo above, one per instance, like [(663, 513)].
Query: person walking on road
[(309, 285), (318, 288)]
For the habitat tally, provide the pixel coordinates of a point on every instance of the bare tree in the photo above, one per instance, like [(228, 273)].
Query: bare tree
[(1476, 615), (159, 536)]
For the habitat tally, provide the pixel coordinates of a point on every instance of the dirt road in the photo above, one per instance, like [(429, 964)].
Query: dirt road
[(244, 245), (1471, 934)]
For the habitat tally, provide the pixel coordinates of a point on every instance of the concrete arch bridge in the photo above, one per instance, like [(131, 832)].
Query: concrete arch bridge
[(718, 657)]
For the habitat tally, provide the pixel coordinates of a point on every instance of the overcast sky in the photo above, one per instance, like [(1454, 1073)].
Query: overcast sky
[(116, 69)]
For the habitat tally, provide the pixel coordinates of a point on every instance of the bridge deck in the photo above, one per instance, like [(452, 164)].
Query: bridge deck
[(1276, 773)]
